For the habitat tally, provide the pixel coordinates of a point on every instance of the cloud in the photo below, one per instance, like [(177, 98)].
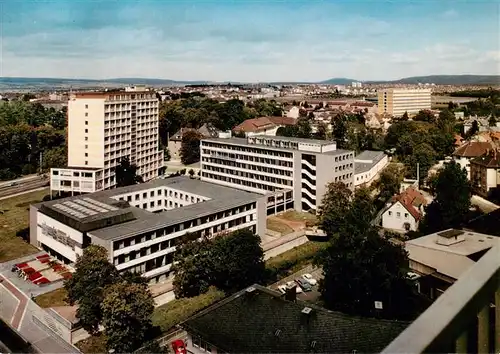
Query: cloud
[(451, 13), (246, 41)]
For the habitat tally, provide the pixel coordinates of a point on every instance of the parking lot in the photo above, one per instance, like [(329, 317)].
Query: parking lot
[(309, 296)]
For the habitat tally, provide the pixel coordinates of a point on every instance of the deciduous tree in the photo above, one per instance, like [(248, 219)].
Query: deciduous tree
[(362, 268), (334, 206), (452, 199), (339, 130), (190, 147), (238, 261), (126, 173), (93, 273), (389, 182), (126, 312)]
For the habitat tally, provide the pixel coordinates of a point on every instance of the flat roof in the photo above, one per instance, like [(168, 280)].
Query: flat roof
[(454, 259), (373, 156), (244, 141), (126, 220)]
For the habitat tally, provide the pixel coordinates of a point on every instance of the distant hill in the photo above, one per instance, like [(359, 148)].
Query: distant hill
[(24, 83), (453, 80), (431, 79), (338, 81), (27, 82)]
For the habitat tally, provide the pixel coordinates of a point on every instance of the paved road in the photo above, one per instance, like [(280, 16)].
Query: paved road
[(17, 309)]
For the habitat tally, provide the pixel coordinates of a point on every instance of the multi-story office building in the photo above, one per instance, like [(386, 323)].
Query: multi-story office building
[(396, 102), (103, 128), (292, 172), (140, 225)]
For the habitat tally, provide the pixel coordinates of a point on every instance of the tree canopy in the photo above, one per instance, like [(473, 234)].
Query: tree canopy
[(190, 147), (452, 200), (126, 173), (360, 266), (93, 273), (192, 111), (420, 142), (230, 262), (126, 311)]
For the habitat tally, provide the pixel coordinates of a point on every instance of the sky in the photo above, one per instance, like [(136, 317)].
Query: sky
[(248, 40)]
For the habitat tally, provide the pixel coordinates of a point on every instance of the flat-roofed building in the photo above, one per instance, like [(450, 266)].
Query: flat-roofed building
[(140, 225), (443, 257), (103, 128), (397, 101), (368, 165), (292, 172)]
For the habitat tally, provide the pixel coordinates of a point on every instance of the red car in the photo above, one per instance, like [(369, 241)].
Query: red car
[(179, 346)]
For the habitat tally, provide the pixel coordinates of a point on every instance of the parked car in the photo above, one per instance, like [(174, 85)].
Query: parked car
[(298, 288), (303, 284), (179, 346), (282, 289), (308, 278)]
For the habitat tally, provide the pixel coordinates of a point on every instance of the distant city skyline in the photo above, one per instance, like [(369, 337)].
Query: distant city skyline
[(248, 41)]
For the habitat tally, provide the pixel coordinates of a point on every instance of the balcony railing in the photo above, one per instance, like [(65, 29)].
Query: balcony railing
[(465, 307)]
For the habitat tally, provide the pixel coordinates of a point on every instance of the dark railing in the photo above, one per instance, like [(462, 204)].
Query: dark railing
[(465, 307)]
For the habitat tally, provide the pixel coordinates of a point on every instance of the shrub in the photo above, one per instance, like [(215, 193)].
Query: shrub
[(293, 260), (174, 312)]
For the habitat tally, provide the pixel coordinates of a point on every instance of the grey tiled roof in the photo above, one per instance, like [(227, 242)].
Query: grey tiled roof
[(129, 220), (263, 322)]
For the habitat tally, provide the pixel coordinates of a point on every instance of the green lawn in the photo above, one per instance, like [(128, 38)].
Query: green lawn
[(274, 224), (293, 215), (14, 217), (54, 298), (293, 260)]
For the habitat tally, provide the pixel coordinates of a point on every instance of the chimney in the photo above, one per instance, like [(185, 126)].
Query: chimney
[(291, 293)]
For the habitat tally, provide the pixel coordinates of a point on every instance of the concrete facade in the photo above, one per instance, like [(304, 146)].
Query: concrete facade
[(141, 225), (103, 128), (291, 172), (398, 101)]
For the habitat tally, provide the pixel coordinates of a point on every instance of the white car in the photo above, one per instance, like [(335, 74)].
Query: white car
[(282, 289), (308, 278), (298, 288)]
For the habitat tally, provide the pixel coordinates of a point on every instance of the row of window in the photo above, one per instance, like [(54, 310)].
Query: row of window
[(256, 176), (398, 214), (343, 167), (260, 186), (232, 157), (342, 178), (239, 165), (157, 247), (253, 150), (130, 241), (160, 192), (344, 157)]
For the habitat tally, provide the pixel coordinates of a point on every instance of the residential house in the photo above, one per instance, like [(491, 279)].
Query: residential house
[(485, 173), (260, 320), (468, 151), (263, 125), (442, 257), (293, 112), (405, 211), (207, 130), (367, 166)]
